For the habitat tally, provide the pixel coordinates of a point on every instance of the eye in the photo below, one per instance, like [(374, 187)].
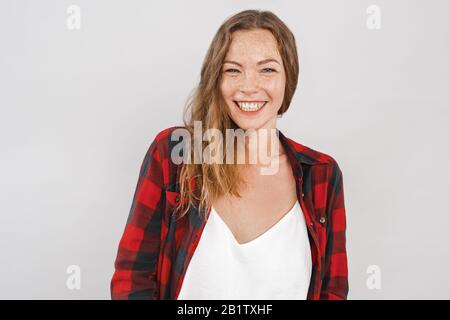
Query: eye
[(268, 70), (232, 70)]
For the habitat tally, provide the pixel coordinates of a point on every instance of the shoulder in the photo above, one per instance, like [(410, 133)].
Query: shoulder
[(318, 160), (164, 135), (307, 154), (162, 140), (157, 165)]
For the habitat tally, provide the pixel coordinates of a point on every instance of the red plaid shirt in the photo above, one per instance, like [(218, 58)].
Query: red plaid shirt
[(155, 250)]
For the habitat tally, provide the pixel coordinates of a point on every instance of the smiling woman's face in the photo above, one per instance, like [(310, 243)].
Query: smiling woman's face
[(253, 79)]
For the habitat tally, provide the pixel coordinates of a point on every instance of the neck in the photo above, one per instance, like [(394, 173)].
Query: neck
[(264, 146)]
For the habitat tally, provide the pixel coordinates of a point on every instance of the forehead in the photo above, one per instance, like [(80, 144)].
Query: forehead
[(252, 46)]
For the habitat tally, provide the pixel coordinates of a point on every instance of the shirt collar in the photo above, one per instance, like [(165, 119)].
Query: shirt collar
[(298, 154)]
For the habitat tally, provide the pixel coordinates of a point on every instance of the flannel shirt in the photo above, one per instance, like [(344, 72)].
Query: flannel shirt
[(155, 249)]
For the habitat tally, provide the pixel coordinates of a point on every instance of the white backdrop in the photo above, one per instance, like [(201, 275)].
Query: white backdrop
[(79, 108)]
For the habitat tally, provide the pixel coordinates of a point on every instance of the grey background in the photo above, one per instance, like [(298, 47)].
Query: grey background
[(79, 108)]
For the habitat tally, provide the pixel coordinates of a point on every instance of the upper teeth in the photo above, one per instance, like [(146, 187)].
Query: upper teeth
[(250, 106)]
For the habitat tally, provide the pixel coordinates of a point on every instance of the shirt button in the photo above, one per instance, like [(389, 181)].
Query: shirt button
[(322, 220), (303, 194), (311, 224)]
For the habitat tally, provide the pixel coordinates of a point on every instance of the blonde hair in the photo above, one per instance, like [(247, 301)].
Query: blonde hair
[(201, 183)]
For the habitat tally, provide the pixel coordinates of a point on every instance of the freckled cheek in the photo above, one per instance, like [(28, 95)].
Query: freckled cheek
[(227, 90), (275, 89)]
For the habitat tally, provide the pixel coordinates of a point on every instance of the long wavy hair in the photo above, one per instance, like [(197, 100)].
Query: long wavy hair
[(201, 183)]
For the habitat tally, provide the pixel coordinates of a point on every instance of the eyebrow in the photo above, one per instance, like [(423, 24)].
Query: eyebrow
[(259, 63)]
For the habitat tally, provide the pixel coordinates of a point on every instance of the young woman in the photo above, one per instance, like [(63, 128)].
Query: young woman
[(216, 230)]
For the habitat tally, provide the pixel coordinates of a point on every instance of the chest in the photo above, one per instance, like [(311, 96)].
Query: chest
[(265, 200)]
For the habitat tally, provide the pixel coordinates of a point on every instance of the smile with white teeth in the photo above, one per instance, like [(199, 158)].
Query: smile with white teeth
[(250, 106)]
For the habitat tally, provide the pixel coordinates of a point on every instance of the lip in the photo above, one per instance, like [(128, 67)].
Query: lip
[(250, 100), (249, 113)]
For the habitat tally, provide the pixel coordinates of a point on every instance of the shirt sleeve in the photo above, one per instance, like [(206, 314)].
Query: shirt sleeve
[(135, 274), (335, 280)]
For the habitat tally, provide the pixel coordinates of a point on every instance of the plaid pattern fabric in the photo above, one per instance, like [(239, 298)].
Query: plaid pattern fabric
[(155, 249)]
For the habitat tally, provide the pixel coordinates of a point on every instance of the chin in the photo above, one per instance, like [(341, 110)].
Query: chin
[(246, 125)]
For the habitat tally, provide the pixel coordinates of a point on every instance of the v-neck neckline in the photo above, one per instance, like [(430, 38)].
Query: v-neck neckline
[(261, 236)]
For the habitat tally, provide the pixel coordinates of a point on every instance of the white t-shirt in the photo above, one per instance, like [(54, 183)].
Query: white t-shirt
[(275, 265)]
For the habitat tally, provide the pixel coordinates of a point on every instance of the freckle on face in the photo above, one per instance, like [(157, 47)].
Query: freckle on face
[(250, 83)]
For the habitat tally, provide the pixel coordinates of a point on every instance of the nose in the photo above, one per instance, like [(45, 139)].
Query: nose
[(249, 84)]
